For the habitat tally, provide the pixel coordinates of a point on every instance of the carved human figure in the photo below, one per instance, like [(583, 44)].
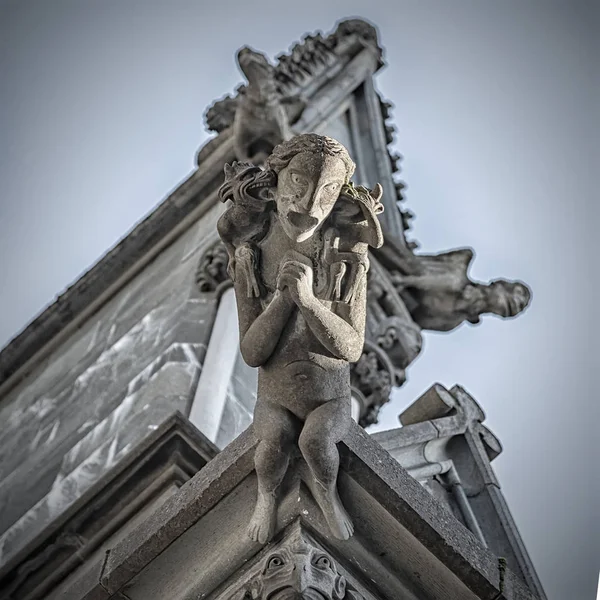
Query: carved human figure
[(300, 283)]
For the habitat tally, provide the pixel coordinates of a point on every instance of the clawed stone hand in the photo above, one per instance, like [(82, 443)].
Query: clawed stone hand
[(298, 279)]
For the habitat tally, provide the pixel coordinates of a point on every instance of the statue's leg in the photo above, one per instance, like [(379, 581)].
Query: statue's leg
[(323, 428), (277, 429)]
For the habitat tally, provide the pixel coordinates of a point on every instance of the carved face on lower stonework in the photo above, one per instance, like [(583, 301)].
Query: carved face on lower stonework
[(301, 571), (307, 190), (507, 298)]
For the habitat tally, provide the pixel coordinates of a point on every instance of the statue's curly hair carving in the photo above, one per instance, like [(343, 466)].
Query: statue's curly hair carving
[(309, 142)]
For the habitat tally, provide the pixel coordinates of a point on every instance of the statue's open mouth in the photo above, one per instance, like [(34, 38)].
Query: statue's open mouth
[(302, 221)]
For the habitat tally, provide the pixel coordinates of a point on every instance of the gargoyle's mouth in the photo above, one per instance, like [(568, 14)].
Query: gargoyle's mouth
[(302, 220), (260, 186)]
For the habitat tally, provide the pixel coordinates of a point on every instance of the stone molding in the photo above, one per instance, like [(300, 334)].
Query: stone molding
[(166, 459), (445, 445)]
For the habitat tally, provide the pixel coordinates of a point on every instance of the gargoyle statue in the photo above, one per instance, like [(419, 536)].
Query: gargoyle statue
[(261, 120), (298, 235)]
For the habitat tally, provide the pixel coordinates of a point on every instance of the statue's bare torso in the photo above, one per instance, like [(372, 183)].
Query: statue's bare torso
[(309, 371)]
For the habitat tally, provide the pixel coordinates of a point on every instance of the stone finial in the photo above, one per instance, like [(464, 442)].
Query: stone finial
[(297, 235)]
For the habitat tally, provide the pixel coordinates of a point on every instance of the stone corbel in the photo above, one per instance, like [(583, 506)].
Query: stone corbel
[(295, 567)]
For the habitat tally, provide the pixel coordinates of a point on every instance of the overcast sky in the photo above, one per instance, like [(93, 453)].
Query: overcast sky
[(101, 107)]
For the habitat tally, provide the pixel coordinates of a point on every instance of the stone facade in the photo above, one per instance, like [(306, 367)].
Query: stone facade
[(129, 367)]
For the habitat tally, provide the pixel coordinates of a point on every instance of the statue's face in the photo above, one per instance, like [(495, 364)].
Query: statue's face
[(253, 64), (303, 572), (507, 298), (307, 190)]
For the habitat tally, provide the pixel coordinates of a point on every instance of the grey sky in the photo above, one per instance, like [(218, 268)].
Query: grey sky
[(101, 107)]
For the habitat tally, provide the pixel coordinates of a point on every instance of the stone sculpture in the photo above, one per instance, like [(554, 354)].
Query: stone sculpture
[(259, 113), (297, 235), (299, 569), (441, 296)]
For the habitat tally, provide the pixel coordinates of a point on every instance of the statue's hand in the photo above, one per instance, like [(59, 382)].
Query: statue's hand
[(298, 279)]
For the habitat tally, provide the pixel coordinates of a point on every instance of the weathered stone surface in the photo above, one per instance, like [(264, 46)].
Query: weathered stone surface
[(124, 496), (447, 448), (131, 365)]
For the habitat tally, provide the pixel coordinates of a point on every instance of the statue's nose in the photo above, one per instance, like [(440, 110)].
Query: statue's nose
[(312, 203), (301, 578)]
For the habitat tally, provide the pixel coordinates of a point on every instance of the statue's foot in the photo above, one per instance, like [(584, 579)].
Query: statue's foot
[(335, 514), (263, 520)]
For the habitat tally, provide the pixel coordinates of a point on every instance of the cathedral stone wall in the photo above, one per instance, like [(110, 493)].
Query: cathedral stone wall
[(123, 372)]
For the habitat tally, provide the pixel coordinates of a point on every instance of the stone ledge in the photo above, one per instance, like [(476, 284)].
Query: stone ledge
[(426, 551)]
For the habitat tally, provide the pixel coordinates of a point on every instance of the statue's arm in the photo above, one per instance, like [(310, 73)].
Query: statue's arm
[(342, 334), (260, 329)]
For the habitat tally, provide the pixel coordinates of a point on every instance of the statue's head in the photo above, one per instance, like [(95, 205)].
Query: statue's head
[(507, 298), (311, 170), (254, 65), (501, 297), (300, 570)]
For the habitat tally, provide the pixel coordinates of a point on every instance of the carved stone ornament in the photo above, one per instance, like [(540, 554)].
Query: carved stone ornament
[(439, 293), (298, 569), (373, 378), (260, 114), (262, 110), (297, 235), (211, 272)]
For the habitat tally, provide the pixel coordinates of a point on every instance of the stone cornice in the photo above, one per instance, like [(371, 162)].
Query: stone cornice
[(428, 553)]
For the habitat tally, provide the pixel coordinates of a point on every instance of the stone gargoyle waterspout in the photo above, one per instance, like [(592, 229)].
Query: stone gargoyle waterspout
[(297, 234)]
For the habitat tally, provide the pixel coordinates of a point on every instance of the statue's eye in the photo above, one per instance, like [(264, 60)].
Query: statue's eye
[(333, 186), (323, 562), (298, 179), (275, 562)]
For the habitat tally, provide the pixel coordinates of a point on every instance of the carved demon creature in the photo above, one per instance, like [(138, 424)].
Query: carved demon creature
[(299, 261), (246, 221)]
